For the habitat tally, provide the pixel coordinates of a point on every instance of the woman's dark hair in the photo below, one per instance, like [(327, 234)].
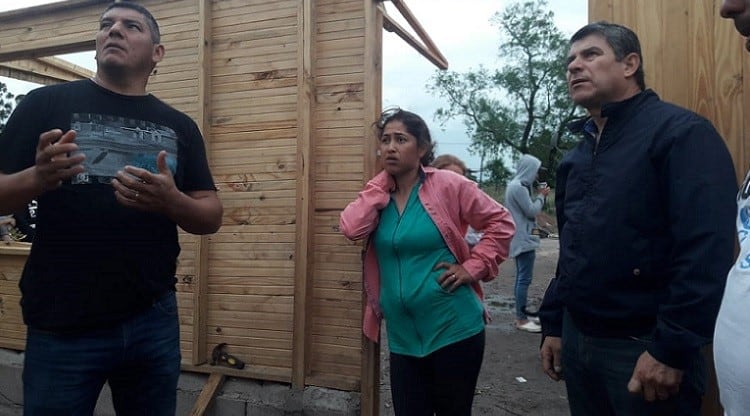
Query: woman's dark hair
[(415, 126)]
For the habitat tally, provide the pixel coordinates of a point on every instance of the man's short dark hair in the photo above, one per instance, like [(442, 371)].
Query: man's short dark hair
[(622, 40), (153, 27)]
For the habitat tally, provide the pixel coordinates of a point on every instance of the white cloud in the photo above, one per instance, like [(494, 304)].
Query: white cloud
[(20, 4)]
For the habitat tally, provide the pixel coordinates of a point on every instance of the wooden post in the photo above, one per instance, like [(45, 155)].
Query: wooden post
[(303, 248), (373, 88), (200, 292)]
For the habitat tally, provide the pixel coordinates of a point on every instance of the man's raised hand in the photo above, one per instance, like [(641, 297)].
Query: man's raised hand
[(54, 162)]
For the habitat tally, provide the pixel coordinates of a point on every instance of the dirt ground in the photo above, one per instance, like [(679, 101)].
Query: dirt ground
[(511, 382)]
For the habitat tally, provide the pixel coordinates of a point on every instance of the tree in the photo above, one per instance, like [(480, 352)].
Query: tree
[(523, 107), (6, 104)]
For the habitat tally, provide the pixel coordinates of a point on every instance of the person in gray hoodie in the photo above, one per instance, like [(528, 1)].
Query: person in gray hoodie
[(525, 201)]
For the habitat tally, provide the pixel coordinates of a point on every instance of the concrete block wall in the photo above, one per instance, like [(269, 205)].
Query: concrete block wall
[(237, 397)]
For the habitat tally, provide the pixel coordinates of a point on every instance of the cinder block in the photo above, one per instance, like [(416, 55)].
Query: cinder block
[(237, 397), (318, 401), (11, 383)]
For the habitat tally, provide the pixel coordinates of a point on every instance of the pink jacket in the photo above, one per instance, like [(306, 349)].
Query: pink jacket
[(453, 202)]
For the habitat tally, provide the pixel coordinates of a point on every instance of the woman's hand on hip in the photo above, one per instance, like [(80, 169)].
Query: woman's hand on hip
[(454, 276)]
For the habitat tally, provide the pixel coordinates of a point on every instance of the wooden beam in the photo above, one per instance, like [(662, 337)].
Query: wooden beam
[(203, 119), (213, 384), (47, 47), (428, 49), (48, 70), (303, 267), (41, 43), (258, 372), (414, 23)]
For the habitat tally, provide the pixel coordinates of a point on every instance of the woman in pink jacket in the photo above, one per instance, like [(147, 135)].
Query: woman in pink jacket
[(420, 274)]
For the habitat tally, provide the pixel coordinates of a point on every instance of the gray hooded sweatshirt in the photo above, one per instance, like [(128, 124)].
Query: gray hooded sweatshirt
[(523, 206)]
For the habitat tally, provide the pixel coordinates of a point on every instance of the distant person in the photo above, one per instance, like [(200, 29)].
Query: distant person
[(420, 274), (525, 200), (25, 223), (98, 288), (732, 336), (645, 212), (454, 164), (6, 222)]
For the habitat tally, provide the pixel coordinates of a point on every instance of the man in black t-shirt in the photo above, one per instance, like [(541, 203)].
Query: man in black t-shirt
[(114, 171)]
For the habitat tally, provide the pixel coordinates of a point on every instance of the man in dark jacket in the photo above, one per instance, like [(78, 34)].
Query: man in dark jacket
[(645, 206)]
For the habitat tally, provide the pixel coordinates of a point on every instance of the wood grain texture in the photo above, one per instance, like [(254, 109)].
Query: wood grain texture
[(285, 93)]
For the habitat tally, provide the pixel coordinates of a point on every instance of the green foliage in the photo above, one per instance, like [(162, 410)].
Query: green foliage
[(523, 107), (499, 174), (6, 104)]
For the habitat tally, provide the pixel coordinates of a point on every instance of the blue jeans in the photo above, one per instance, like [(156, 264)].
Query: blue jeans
[(597, 371), (140, 358), (524, 273)]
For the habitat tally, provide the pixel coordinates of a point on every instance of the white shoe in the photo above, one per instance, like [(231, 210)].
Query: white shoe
[(530, 326), (534, 319)]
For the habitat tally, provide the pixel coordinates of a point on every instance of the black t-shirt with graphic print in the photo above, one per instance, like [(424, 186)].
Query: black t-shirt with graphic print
[(94, 262)]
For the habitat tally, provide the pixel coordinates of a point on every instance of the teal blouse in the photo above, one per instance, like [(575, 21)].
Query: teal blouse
[(421, 316)]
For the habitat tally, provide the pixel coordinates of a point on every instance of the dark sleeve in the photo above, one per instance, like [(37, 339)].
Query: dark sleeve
[(551, 310), (701, 188), (196, 175), (20, 136)]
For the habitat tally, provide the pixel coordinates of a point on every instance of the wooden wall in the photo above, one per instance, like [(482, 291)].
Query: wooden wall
[(12, 329), (694, 58), (284, 93)]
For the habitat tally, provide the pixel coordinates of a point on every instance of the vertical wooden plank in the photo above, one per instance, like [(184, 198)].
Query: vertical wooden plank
[(304, 197), (200, 295), (600, 10), (373, 93), (702, 41), (673, 65), (624, 12), (728, 71), (645, 19)]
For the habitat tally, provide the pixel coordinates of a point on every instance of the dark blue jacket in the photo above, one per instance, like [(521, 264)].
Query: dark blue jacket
[(646, 221)]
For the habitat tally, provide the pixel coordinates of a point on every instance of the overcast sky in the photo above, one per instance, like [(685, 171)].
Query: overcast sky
[(463, 33), (460, 29)]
